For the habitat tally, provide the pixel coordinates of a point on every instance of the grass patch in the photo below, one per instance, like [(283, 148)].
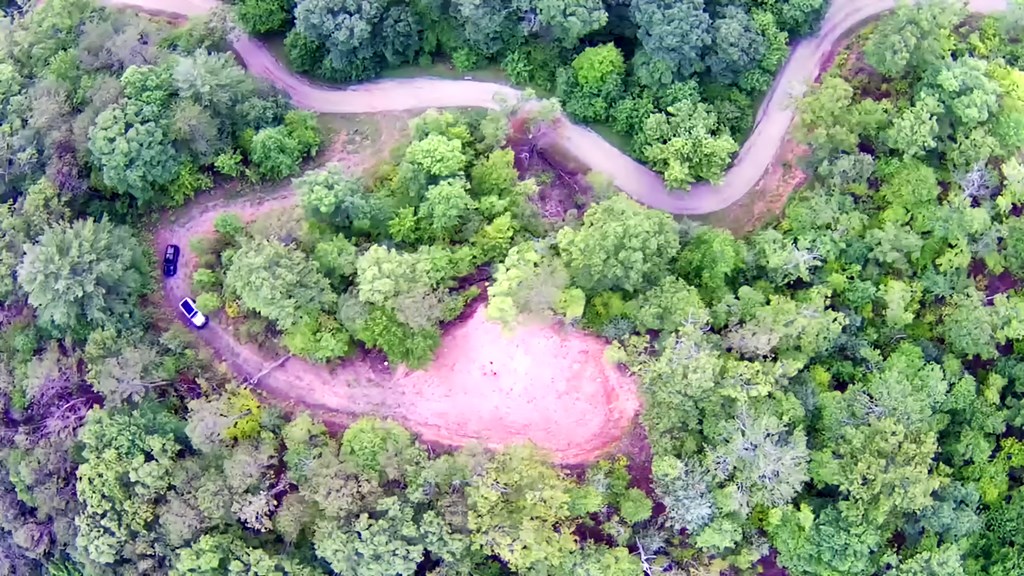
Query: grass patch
[(356, 128), (623, 143), (443, 69)]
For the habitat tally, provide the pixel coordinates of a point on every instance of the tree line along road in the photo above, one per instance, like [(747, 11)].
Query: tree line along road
[(771, 125)]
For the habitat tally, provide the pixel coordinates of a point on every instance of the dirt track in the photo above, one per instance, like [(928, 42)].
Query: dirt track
[(542, 384), (576, 409), (772, 123)]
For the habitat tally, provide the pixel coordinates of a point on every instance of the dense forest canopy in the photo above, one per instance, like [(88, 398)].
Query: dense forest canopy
[(678, 79), (121, 112), (839, 392)]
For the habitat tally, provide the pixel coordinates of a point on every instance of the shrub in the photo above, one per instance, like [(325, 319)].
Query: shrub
[(635, 506), (229, 225), (205, 280), (274, 153), (208, 302), (229, 163)]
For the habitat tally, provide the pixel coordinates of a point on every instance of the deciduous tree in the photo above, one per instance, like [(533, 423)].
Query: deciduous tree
[(278, 282), (84, 275), (133, 151), (674, 32), (685, 144), (621, 246)]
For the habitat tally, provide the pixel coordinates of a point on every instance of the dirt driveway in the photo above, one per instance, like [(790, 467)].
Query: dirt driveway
[(542, 384)]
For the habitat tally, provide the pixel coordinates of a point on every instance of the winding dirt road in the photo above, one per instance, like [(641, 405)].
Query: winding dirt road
[(573, 420), (772, 122)]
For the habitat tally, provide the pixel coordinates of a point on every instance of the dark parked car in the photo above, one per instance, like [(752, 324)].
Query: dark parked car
[(171, 254)]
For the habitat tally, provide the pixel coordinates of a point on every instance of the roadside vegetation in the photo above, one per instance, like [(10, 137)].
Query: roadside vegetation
[(679, 81), (378, 261), (837, 394)]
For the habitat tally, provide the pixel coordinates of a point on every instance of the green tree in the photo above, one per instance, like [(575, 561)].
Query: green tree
[(359, 36), (278, 282), (388, 543), (635, 506), (883, 468), (685, 144), (964, 88), (384, 274), (375, 445), (1013, 249), (674, 32), (129, 458), (711, 261), (227, 553), (336, 259), (968, 327), (401, 343), (913, 38), (828, 544), (529, 282), (519, 511), (621, 246), (597, 560), (914, 129), (263, 16), (595, 83), (335, 198), (133, 151), (85, 275), (831, 121), (566, 21), (274, 153), (437, 155), (489, 26), (669, 305), (320, 339), (736, 46), (446, 209)]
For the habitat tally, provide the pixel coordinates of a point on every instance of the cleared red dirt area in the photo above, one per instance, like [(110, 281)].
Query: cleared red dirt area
[(541, 383), (544, 384)]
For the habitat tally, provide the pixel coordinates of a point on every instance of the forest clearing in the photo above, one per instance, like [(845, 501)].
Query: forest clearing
[(441, 327)]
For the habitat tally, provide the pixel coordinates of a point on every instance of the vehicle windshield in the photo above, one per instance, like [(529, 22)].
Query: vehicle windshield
[(187, 308)]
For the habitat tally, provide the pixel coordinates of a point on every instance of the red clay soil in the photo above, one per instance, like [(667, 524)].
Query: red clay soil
[(542, 383)]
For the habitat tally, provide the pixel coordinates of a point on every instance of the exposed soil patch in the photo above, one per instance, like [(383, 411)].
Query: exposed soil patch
[(542, 383), (562, 186), (767, 200), (992, 284)]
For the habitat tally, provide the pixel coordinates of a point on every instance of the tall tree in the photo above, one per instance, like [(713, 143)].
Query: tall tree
[(736, 47), (621, 246), (685, 143), (567, 21), (914, 37), (278, 282), (133, 151), (489, 26), (360, 36), (674, 32), (84, 275)]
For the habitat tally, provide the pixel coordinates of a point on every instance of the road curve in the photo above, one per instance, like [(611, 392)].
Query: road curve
[(645, 186)]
